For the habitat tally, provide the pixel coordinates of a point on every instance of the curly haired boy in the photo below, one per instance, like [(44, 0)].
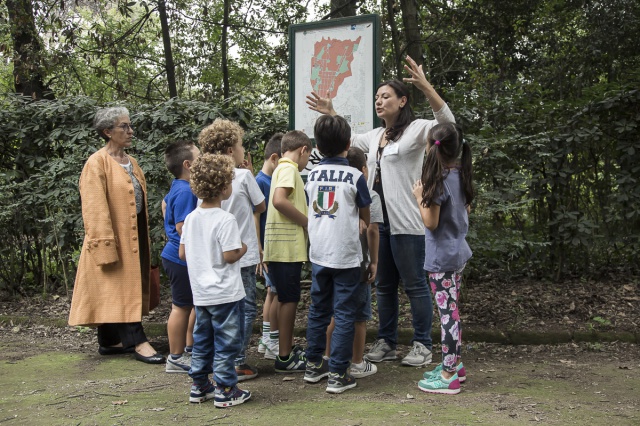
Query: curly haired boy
[(225, 137), (211, 245)]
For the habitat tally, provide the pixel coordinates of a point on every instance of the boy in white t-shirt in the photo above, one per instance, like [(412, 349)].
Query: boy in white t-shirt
[(211, 246), (338, 200), (225, 137)]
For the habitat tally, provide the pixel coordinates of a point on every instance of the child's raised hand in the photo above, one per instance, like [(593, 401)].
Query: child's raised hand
[(417, 190), (321, 105)]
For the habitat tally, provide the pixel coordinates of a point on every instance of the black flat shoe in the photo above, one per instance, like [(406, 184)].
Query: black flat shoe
[(115, 350), (153, 359)]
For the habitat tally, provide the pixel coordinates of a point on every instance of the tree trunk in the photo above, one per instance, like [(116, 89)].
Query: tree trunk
[(168, 56), (225, 49), (395, 39), (342, 8), (414, 41), (28, 67)]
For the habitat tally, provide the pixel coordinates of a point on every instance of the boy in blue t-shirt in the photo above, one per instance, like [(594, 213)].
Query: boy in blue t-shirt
[(178, 203), (338, 200), (270, 331)]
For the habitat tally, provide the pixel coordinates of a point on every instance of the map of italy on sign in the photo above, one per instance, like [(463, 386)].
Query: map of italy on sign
[(331, 64), (338, 61)]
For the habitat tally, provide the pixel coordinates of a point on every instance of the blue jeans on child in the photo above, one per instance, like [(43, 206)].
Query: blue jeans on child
[(217, 339), (402, 257), (248, 274), (333, 292)]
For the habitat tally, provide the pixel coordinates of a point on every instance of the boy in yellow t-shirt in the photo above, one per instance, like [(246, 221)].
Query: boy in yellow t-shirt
[(285, 242)]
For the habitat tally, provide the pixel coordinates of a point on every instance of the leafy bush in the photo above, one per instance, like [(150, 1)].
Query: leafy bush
[(45, 146)]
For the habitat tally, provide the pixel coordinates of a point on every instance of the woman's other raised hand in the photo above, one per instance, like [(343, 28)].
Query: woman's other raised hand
[(321, 105)]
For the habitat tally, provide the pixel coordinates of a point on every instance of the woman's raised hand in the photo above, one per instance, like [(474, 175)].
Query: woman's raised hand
[(321, 105), (417, 78)]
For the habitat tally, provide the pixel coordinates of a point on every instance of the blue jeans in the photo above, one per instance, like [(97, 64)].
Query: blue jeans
[(402, 257), (333, 292), (248, 274), (217, 340)]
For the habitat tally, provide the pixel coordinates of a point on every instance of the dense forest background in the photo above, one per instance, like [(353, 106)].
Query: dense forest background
[(547, 92)]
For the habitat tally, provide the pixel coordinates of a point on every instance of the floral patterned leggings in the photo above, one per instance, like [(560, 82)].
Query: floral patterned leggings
[(446, 287)]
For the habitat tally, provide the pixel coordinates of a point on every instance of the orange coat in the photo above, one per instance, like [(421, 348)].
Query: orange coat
[(112, 282)]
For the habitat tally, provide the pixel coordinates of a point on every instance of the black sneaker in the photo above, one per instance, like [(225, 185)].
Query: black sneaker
[(296, 363), (339, 383), (297, 349), (315, 373)]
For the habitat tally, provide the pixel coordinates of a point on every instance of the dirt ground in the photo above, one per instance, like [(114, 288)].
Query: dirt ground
[(51, 374), (54, 376)]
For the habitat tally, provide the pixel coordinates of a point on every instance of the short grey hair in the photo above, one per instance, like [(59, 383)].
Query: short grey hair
[(106, 118)]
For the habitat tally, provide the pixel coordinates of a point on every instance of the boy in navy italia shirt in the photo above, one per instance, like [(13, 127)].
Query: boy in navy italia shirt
[(338, 200)]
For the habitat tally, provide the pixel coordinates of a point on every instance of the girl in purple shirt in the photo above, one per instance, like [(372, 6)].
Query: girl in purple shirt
[(444, 194)]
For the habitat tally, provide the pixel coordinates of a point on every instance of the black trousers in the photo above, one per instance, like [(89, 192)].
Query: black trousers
[(129, 334)]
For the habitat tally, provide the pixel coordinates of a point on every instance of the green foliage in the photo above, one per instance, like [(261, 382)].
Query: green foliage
[(46, 144), (547, 92)]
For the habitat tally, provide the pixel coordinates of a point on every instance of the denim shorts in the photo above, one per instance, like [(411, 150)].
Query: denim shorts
[(285, 278), (181, 294), (269, 284), (363, 303)]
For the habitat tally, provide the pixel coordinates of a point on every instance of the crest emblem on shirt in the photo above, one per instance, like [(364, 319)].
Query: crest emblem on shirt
[(325, 204)]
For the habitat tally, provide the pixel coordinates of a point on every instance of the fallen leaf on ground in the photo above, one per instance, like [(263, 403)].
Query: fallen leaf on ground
[(409, 396), (156, 409), (288, 378), (119, 402)]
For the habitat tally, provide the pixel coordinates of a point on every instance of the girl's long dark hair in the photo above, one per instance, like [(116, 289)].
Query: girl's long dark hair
[(406, 113), (439, 156)]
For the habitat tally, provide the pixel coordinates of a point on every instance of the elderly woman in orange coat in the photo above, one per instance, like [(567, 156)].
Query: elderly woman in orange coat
[(111, 290)]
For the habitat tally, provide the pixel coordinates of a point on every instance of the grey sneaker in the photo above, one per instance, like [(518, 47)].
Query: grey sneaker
[(180, 365), (418, 356), (363, 370), (339, 383), (315, 373), (380, 351)]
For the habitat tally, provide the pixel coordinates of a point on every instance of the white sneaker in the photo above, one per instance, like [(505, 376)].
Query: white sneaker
[(418, 356), (364, 369), (262, 344), (380, 351), (272, 348)]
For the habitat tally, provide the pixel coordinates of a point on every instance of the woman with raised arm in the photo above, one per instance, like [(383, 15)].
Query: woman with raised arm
[(395, 154)]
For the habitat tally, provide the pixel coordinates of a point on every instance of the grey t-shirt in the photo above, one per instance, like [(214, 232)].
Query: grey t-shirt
[(446, 247)]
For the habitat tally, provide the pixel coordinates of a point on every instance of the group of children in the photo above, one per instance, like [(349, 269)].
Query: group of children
[(224, 226)]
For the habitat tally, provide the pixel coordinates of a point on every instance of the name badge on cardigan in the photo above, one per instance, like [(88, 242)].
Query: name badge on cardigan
[(391, 149)]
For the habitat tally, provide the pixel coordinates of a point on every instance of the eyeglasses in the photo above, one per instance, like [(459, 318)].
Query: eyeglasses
[(125, 127)]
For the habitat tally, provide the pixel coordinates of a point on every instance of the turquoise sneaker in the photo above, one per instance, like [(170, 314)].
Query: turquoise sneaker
[(462, 373), (439, 384)]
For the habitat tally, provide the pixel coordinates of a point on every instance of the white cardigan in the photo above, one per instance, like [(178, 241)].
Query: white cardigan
[(401, 165)]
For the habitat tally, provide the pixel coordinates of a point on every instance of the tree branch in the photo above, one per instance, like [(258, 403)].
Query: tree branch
[(230, 25)]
